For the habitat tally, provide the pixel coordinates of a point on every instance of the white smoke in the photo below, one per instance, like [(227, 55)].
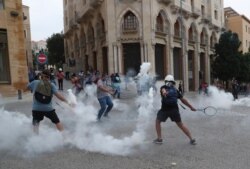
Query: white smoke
[(82, 131), (220, 99), (81, 128), (216, 98)]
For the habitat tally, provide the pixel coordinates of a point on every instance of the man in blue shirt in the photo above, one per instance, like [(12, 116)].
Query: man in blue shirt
[(169, 109), (39, 110)]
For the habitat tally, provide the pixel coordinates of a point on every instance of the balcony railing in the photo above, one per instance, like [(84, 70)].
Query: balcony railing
[(87, 10), (95, 3), (196, 12), (206, 18), (182, 5), (165, 1)]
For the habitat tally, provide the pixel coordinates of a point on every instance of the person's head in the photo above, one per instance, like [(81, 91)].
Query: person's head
[(73, 78), (96, 78), (60, 69), (46, 74), (169, 80)]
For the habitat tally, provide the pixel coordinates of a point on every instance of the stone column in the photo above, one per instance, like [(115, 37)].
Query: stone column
[(119, 58)]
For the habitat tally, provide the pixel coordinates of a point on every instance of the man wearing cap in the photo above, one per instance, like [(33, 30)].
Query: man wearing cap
[(41, 109), (169, 109)]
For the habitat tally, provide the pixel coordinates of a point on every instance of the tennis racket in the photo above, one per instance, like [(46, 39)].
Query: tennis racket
[(210, 110)]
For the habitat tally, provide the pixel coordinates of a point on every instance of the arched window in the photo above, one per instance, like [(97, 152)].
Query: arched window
[(203, 37), (66, 49), (213, 40), (130, 22), (83, 39), (100, 29), (192, 33), (177, 30), (76, 43), (90, 34), (159, 24)]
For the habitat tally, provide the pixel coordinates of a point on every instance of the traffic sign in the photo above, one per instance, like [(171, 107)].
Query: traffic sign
[(41, 58)]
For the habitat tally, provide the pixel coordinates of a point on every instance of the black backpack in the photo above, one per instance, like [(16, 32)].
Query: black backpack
[(43, 92), (172, 96)]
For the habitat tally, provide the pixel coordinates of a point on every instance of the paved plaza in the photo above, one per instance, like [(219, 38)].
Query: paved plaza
[(223, 139)]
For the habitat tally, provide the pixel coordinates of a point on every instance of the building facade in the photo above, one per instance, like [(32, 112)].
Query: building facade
[(39, 45), (239, 24), (176, 36), (13, 62), (27, 36)]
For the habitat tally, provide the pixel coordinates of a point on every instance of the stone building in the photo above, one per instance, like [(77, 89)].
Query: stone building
[(13, 62), (239, 24), (38, 46), (27, 36), (176, 36)]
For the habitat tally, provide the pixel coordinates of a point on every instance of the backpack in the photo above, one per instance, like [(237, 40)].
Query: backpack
[(43, 92), (172, 96), (117, 79)]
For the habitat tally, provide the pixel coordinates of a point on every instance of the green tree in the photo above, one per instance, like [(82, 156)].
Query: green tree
[(226, 61), (55, 45), (244, 74)]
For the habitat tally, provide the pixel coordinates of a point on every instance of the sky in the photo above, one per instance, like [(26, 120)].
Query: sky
[(240, 6), (46, 16)]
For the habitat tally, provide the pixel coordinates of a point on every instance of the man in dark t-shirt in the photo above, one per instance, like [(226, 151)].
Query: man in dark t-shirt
[(169, 109)]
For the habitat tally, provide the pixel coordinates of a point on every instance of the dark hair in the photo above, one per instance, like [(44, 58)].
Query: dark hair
[(46, 72), (96, 78)]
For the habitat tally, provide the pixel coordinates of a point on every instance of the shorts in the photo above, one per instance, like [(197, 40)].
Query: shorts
[(173, 114), (39, 115)]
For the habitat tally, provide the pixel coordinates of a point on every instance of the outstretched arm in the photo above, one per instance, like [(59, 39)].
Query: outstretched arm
[(61, 97), (184, 101)]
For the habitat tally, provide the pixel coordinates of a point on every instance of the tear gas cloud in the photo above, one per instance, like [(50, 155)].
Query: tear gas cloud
[(84, 132), (81, 128)]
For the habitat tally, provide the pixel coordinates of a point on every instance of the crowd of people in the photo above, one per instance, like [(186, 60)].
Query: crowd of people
[(44, 86)]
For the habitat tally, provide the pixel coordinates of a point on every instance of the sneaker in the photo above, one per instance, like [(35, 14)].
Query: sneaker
[(98, 119), (106, 116), (158, 141), (193, 142)]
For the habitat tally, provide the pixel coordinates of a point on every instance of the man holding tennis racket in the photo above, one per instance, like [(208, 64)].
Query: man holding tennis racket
[(169, 109)]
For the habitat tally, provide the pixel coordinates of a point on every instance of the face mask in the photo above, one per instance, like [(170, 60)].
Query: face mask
[(167, 83)]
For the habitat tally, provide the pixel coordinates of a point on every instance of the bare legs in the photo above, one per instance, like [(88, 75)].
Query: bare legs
[(184, 129), (158, 128), (179, 124), (59, 127)]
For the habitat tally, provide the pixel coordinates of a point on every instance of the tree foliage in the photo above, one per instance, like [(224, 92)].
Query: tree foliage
[(244, 74), (226, 63), (55, 45)]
